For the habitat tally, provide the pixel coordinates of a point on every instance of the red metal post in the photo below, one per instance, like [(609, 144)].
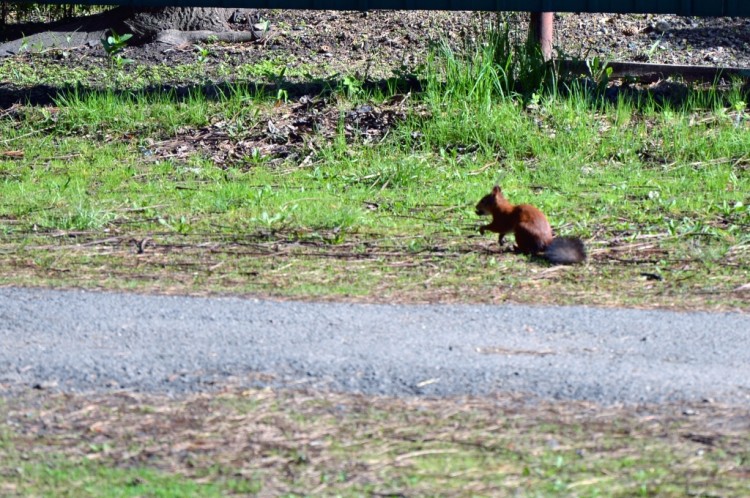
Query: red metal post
[(541, 30)]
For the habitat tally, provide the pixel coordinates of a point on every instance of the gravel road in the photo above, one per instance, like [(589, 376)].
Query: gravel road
[(83, 341)]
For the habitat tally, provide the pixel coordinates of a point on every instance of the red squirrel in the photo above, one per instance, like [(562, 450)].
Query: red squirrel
[(530, 227)]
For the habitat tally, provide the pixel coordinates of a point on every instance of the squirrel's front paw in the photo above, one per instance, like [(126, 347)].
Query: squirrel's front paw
[(481, 230)]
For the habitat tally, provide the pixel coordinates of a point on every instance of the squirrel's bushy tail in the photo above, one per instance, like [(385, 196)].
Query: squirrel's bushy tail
[(565, 251)]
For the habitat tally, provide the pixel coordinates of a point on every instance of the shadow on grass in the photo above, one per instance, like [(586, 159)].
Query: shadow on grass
[(675, 94), (44, 95)]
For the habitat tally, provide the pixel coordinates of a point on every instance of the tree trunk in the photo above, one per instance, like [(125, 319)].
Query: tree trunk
[(147, 23)]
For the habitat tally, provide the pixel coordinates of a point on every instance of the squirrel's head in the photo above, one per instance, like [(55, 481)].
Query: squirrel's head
[(485, 204)]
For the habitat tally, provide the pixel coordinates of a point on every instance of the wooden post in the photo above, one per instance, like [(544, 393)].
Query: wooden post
[(541, 30)]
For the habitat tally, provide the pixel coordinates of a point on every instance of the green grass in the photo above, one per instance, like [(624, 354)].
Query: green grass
[(62, 477), (322, 444), (29, 70), (239, 192)]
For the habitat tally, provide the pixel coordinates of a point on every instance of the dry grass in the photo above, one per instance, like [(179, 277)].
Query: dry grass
[(314, 443), (308, 264)]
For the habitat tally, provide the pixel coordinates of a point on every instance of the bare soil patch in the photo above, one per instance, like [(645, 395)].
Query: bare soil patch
[(377, 42), (281, 263), (291, 132)]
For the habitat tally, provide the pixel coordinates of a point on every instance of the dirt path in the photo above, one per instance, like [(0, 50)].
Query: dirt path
[(80, 341)]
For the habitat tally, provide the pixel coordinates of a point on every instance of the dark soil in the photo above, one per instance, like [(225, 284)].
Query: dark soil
[(661, 39), (294, 131), (375, 43), (391, 38)]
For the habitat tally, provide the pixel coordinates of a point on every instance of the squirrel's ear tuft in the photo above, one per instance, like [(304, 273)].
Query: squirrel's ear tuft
[(496, 190)]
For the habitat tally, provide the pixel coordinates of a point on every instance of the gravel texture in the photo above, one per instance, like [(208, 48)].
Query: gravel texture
[(84, 341), (375, 43), (666, 39)]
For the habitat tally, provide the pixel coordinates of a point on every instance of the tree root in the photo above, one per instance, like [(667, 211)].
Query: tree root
[(177, 37), (169, 25)]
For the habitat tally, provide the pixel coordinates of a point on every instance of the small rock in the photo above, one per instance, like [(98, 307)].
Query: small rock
[(41, 386), (662, 27)]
